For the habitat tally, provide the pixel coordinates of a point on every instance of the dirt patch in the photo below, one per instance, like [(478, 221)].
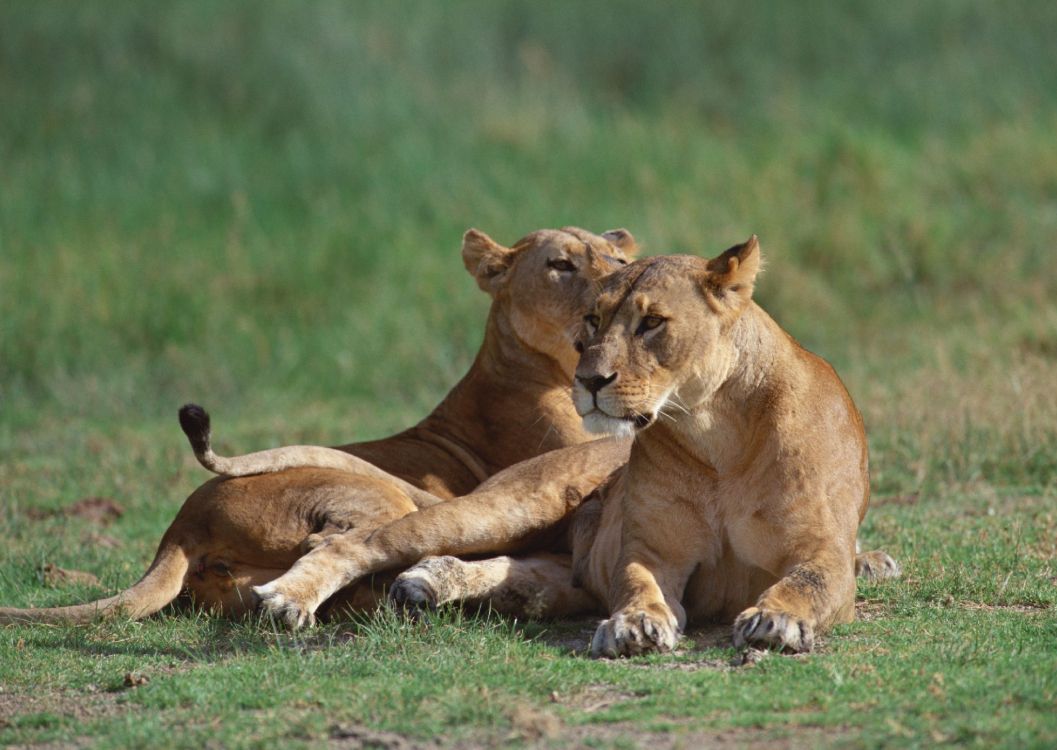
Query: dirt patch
[(710, 636), (56, 577), (354, 737), (572, 637), (688, 738), (594, 698), (99, 510), (78, 706), (869, 610), (1027, 609), (531, 723)]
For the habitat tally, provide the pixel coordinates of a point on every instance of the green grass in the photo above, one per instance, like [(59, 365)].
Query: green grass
[(258, 206)]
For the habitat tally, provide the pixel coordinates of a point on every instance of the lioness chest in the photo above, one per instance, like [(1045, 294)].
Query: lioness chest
[(727, 524)]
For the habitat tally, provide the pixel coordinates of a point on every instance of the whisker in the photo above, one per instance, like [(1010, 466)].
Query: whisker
[(674, 401), (546, 434)]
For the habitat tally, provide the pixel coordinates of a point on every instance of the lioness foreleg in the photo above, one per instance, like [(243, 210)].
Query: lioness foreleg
[(811, 596), (649, 578), (474, 524), (511, 512)]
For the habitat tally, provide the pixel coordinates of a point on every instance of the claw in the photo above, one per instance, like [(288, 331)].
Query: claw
[(771, 629)]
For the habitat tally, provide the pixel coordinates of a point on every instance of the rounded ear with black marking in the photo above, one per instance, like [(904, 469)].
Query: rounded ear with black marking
[(622, 239), (485, 259), (734, 271)]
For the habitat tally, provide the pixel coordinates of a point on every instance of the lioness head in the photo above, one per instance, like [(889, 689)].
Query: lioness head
[(542, 286), (658, 339)]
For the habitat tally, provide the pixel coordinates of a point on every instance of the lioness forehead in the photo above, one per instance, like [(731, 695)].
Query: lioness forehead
[(572, 239), (637, 280)]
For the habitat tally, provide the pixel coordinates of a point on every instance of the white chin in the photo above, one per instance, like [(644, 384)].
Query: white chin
[(603, 424)]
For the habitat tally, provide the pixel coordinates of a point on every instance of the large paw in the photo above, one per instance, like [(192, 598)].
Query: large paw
[(768, 628), (427, 585), (283, 608), (630, 633), (876, 566)]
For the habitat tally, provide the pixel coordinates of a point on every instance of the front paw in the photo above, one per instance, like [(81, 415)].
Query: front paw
[(630, 633), (282, 607), (876, 566), (768, 628)]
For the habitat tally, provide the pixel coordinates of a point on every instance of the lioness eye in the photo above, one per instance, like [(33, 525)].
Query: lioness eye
[(592, 321), (561, 264), (648, 323)]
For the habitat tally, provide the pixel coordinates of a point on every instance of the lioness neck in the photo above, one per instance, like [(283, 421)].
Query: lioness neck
[(512, 405), (733, 407)]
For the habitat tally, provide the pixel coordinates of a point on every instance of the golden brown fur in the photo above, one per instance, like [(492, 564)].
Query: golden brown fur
[(234, 533), (520, 376), (744, 495), (747, 487)]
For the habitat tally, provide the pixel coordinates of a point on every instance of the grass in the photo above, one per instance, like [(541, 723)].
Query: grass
[(258, 206)]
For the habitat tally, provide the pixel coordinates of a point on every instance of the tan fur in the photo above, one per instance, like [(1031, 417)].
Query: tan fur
[(523, 509), (743, 496), (520, 376), (237, 532), (752, 476)]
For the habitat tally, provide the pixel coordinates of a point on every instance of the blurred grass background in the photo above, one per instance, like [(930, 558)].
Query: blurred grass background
[(258, 206)]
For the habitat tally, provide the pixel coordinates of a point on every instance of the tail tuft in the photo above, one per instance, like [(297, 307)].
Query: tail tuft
[(194, 421)]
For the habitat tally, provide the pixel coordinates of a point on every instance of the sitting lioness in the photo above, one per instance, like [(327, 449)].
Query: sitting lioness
[(746, 484), (233, 533), (748, 475)]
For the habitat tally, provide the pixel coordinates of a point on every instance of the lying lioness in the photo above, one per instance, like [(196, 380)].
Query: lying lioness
[(520, 377), (232, 533), (746, 484)]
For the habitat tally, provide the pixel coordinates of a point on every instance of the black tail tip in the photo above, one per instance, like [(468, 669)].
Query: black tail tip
[(194, 421)]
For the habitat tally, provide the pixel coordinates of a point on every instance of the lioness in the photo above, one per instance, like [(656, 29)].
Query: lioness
[(748, 476), (747, 482), (232, 533)]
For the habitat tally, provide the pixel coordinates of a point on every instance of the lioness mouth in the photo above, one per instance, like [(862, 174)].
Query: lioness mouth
[(639, 420), (642, 420)]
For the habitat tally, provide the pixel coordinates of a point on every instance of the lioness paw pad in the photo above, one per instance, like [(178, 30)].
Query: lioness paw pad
[(634, 633), (765, 628)]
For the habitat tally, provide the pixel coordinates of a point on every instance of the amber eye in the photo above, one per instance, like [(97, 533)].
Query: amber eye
[(592, 321), (648, 323), (561, 264)]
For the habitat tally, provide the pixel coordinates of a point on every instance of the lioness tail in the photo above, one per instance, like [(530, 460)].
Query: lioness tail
[(194, 420), (162, 583)]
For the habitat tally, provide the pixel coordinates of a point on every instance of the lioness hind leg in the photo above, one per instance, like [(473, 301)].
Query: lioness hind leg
[(531, 587), (876, 565)]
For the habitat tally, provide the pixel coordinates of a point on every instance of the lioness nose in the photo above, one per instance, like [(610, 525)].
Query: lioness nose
[(595, 383)]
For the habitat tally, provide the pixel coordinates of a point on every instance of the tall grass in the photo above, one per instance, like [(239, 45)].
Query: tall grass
[(259, 204)]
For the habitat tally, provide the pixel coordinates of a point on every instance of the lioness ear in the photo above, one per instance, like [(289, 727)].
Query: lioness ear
[(734, 272), (622, 239), (485, 259)]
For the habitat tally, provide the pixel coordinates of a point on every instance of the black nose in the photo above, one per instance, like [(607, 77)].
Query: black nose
[(595, 383)]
